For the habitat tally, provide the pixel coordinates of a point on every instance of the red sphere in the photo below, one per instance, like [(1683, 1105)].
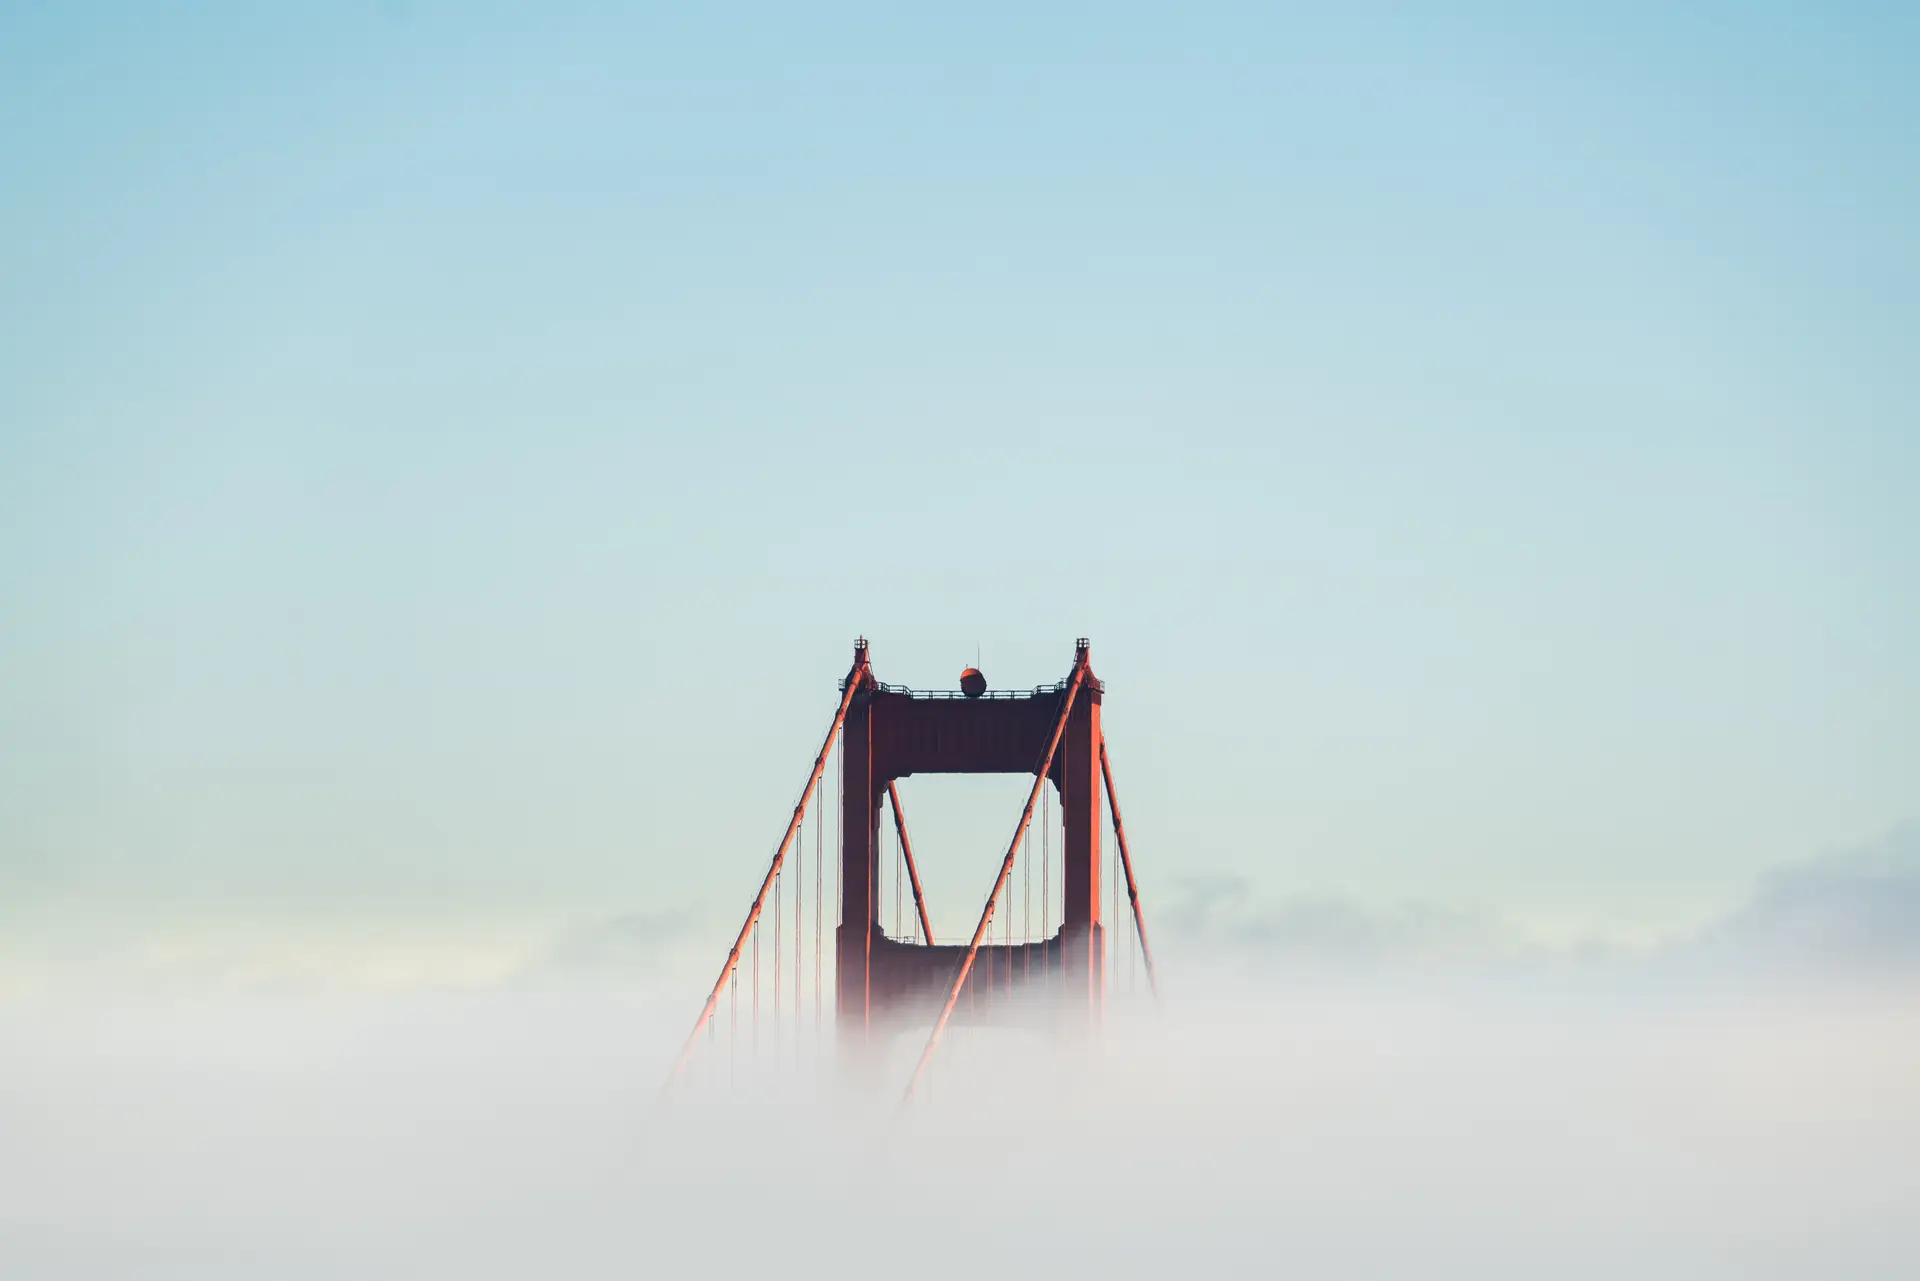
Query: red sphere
[(972, 683)]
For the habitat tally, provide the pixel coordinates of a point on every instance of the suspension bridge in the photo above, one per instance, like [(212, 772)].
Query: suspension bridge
[(1011, 972)]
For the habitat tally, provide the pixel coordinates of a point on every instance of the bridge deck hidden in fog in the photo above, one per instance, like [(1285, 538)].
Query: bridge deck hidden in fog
[(885, 983)]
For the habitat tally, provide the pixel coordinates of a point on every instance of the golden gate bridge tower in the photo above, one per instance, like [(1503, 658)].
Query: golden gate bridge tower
[(887, 982)]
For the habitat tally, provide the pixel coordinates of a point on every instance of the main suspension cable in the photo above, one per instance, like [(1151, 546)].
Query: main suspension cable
[(1126, 865), (923, 928)]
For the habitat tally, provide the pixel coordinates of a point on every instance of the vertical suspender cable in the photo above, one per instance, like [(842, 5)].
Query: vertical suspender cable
[(987, 993), (1005, 920), (1046, 876), (870, 863), (1133, 927), (1006, 929), (840, 921), (1026, 909), (776, 962), (838, 873), (820, 861), (1113, 931), (799, 930), (992, 961)]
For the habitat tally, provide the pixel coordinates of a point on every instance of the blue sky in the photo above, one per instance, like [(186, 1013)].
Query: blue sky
[(447, 451)]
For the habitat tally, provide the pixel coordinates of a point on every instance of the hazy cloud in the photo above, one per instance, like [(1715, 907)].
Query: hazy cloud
[(1222, 914), (1852, 910), (625, 945)]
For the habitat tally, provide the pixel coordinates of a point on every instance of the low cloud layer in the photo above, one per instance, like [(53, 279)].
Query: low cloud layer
[(1352, 1130), (1294, 1106)]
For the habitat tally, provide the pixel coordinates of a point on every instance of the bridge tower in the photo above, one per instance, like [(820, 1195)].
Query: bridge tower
[(883, 984), (891, 733)]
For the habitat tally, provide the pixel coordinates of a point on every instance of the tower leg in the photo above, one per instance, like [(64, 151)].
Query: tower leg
[(1078, 773), (859, 881)]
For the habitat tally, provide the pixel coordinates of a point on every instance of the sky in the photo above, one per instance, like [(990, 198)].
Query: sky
[(447, 452)]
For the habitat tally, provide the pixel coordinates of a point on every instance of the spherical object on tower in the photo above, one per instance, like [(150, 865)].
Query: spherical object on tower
[(972, 683)]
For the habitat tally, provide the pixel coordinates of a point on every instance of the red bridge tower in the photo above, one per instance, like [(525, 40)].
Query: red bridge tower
[(893, 733), (883, 984)]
